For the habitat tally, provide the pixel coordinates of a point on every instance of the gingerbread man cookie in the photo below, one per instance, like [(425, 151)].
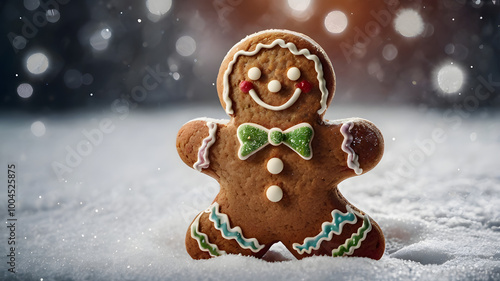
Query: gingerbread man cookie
[(277, 160)]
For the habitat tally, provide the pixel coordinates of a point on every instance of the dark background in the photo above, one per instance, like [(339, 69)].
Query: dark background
[(106, 53)]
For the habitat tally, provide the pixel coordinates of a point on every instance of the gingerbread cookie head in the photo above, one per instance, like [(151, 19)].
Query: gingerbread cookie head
[(276, 75)]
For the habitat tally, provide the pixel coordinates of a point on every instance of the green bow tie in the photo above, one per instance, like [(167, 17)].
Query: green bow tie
[(254, 137)]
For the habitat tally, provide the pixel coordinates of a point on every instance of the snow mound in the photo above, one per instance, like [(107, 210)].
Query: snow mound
[(105, 197)]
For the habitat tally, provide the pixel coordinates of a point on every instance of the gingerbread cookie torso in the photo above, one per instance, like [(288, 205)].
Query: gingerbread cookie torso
[(278, 162)]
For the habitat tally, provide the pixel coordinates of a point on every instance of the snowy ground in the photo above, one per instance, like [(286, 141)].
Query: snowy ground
[(120, 206)]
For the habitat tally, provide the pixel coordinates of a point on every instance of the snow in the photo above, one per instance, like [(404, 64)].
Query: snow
[(120, 208)]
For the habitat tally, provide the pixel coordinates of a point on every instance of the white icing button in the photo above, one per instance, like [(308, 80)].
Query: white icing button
[(275, 166), (274, 193), (254, 73), (293, 73), (274, 86)]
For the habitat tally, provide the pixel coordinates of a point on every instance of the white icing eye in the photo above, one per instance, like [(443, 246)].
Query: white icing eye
[(274, 86), (254, 73), (293, 73)]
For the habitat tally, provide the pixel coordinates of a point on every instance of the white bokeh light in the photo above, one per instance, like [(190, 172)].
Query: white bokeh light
[(38, 128), (185, 46), (300, 10), (158, 7), (106, 33), (336, 22), (409, 23), (24, 90), (390, 52), (100, 39), (31, 4), (19, 42), (450, 78), (52, 15), (299, 5), (37, 63)]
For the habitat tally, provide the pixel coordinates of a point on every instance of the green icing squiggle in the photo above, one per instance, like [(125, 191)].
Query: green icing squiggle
[(202, 240), (354, 242)]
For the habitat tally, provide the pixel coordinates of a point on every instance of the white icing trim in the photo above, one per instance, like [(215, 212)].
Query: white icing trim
[(342, 121), (195, 225), (207, 119), (203, 162), (284, 106), (352, 157), (293, 49)]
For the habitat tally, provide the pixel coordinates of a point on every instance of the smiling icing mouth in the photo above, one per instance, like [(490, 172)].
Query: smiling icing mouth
[(301, 87), (284, 106)]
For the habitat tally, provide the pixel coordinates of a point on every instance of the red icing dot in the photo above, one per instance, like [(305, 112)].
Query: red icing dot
[(246, 86), (304, 86)]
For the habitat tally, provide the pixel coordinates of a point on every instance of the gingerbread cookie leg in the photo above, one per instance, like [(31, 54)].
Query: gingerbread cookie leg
[(210, 234), (349, 233)]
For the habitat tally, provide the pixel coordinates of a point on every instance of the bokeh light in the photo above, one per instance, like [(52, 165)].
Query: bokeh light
[(299, 5), (38, 128), (409, 23), (102, 50), (37, 63), (106, 33), (158, 7), (390, 52), (87, 79), (24, 90), (300, 10), (52, 15), (19, 42), (336, 22), (31, 4), (185, 46), (73, 78), (450, 78), (100, 39)]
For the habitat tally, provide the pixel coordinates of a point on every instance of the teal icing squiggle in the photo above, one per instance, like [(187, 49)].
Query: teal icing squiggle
[(328, 229), (221, 223)]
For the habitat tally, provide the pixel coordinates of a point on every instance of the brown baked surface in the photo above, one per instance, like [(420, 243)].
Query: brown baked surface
[(310, 192)]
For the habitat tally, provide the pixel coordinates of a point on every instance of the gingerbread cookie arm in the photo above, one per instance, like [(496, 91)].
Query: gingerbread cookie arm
[(194, 141), (362, 144)]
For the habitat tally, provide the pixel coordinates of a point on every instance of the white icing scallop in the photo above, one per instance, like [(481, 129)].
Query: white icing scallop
[(275, 166), (254, 73), (274, 193), (203, 162), (293, 73), (274, 86)]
